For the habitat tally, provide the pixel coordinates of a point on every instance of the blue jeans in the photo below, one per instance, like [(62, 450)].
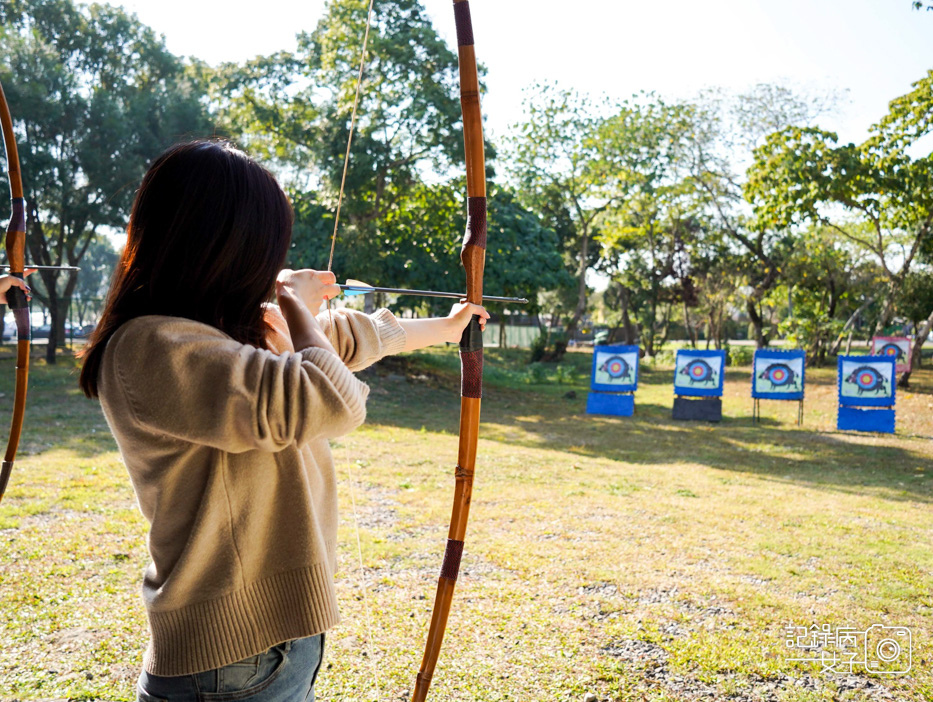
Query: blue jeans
[(284, 673)]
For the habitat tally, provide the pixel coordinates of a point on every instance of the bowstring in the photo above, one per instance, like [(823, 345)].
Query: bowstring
[(333, 328), (346, 157), (346, 163)]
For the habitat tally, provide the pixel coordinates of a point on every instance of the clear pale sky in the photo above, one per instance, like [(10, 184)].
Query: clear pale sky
[(873, 48)]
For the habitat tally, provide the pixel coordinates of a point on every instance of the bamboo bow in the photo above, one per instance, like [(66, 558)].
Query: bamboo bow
[(16, 298), (473, 256)]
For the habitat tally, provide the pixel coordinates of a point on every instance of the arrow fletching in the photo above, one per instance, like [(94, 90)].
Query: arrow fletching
[(356, 287)]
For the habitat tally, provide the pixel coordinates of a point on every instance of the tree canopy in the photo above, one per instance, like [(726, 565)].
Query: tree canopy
[(95, 96)]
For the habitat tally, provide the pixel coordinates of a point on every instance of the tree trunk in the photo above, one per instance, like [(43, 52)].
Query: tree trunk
[(846, 327), (59, 320), (922, 334), (542, 327), (666, 324), (53, 322), (752, 308), (501, 331), (626, 318), (690, 329), (887, 311), (581, 285), (649, 328)]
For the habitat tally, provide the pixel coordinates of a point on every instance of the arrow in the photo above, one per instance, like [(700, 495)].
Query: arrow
[(355, 287), (29, 266)]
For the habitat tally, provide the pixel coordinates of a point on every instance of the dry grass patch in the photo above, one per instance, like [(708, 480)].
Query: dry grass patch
[(633, 559)]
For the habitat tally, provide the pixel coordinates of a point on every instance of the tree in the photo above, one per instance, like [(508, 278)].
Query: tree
[(821, 280), (801, 175), (556, 159), (717, 273), (421, 241), (656, 224), (727, 128), (96, 96), (917, 306), (296, 109), (97, 265)]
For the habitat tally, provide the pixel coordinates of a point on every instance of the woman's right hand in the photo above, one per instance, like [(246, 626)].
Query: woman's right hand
[(300, 295), (311, 287)]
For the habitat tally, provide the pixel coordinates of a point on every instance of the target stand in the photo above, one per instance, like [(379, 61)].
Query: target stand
[(699, 409), (698, 384), (756, 410), (613, 404), (778, 375), (867, 393), (614, 381)]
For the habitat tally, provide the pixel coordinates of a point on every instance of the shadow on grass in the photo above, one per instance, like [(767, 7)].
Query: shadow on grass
[(770, 448), (542, 415)]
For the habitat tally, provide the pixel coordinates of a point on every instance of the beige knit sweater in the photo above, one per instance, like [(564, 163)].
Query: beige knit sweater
[(227, 449)]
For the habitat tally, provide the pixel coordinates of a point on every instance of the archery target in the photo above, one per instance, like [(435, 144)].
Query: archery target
[(615, 368), (778, 375), (866, 379), (896, 347), (695, 372)]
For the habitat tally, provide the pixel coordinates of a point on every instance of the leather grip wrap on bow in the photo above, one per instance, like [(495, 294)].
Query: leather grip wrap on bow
[(16, 298), (473, 257)]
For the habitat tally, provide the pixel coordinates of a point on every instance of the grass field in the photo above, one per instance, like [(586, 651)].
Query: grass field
[(626, 559)]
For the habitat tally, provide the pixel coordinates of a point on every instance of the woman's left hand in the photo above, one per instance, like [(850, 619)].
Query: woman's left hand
[(11, 281), (460, 316)]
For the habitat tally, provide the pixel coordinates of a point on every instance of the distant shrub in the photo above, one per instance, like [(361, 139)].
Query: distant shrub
[(538, 348), (740, 355), (537, 373), (563, 374), (664, 357)]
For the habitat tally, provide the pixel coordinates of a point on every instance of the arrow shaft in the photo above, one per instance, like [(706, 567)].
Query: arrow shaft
[(430, 293)]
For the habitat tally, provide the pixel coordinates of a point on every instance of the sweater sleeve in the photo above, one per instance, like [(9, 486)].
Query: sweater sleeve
[(190, 381), (361, 339)]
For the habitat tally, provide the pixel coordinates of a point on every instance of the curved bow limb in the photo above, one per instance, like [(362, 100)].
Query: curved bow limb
[(16, 298), (473, 257)]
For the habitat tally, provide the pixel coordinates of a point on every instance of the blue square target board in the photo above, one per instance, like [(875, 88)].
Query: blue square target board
[(778, 375), (866, 381), (699, 373), (615, 369)]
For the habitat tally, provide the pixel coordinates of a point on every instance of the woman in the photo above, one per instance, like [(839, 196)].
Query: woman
[(222, 406)]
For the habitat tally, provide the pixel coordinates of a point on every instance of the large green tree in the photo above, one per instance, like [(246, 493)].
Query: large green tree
[(420, 244), (296, 108), (822, 281), (95, 96), (556, 160), (656, 225), (727, 128), (803, 175)]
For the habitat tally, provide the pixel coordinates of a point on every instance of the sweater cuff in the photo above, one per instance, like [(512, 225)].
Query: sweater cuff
[(391, 335)]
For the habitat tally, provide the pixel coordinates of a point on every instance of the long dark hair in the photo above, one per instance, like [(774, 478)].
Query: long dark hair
[(208, 233)]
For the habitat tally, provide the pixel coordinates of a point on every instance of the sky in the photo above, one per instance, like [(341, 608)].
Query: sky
[(873, 49)]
